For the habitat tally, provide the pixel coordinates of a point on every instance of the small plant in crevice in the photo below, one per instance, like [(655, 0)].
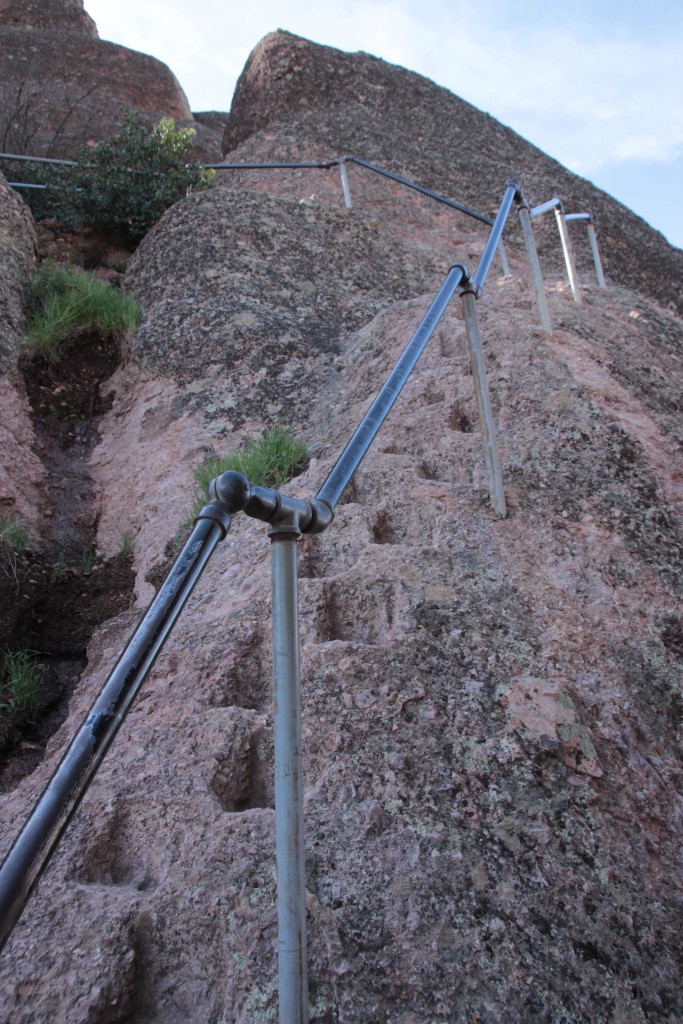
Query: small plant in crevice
[(13, 536), (21, 686), (126, 544), (268, 461), (89, 559), (64, 302)]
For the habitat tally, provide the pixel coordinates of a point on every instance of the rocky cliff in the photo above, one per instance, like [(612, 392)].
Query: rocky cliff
[(492, 707), (62, 87), (298, 100)]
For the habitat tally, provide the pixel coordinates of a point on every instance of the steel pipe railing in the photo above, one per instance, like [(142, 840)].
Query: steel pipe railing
[(288, 518), (36, 842), (352, 456)]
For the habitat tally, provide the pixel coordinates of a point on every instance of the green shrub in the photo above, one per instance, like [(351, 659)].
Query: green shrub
[(268, 461), (21, 683), (122, 186), (64, 302), (13, 536)]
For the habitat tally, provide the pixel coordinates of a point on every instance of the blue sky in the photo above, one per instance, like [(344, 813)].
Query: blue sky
[(598, 85)]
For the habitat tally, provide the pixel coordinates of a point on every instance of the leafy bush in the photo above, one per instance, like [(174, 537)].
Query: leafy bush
[(122, 186), (63, 302), (21, 683)]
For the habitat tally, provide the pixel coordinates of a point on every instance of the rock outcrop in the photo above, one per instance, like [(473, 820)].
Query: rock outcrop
[(62, 87), (298, 100), (20, 470), (492, 707)]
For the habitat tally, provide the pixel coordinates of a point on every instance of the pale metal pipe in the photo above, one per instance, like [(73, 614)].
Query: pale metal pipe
[(289, 789), (592, 238), (568, 254), (536, 275), (345, 184), (488, 430)]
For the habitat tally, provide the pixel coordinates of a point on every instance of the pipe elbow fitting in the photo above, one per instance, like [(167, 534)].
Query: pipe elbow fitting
[(231, 489)]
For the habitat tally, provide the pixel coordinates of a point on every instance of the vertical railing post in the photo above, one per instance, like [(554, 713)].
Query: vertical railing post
[(505, 266), (345, 183), (568, 253), (536, 275), (289, 790), (596, 255), (481, 390)]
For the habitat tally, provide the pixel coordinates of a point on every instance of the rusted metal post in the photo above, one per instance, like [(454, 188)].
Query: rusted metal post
[(537, 277), (289, 789), (345, 183), (568, 253), (488, 430)]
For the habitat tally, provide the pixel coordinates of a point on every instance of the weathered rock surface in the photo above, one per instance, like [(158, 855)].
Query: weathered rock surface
[(20, 470), (62, 87), (296, 100), (492, 708)]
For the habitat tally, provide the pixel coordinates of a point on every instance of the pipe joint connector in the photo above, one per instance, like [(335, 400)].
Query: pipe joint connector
[(218, 514), (467, 284)]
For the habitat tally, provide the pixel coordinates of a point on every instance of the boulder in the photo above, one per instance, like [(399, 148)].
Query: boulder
[(298, 100), (61, 87)]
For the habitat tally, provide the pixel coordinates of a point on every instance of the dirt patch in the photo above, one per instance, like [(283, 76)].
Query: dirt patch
[(53, 599)]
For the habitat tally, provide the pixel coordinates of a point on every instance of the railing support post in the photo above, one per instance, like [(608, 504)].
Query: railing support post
[(345, 183), (568, 253), (505, 266), (596, 255), (481, 390), (289, 789), (537, 277)]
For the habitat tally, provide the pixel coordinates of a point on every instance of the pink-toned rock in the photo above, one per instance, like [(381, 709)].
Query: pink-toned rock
[(491, 707), (61, 87)]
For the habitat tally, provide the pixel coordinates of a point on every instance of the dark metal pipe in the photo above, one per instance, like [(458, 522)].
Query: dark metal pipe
[(271, 166), (36, 842), (420, 188), (511, 189), (350, 459), (37, 159)]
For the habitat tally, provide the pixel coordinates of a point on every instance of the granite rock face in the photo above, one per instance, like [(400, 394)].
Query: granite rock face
[(20, 469), (299, 100), (492, 725), (62, 87)]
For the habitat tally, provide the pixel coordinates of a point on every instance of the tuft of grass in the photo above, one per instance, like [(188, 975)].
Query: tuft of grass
[(13, 536), (21, 682), (126, 544), (88, 559), (268, 461), (64, 302)]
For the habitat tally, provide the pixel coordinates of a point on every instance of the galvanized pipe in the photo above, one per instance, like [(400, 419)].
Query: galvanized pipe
[(419, 188), (277, 165), (39, 837), (536, 275), (536, 211), (350, 459), (568, 254), (345, 183), (481, 390), (505, 266), (494, 238), (289, 787), (596, 255)]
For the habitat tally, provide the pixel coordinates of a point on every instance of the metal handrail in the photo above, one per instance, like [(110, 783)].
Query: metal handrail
[(287, 518), (293, 165)]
